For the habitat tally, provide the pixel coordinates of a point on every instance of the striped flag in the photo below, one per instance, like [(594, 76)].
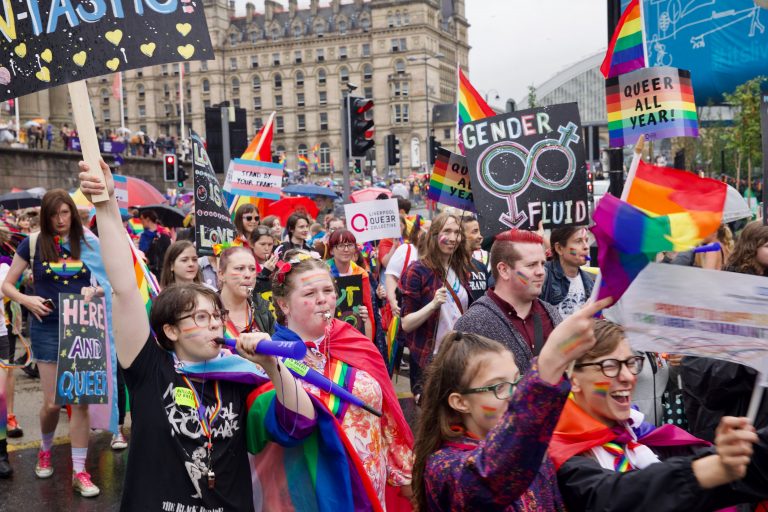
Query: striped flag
[(470, 106)]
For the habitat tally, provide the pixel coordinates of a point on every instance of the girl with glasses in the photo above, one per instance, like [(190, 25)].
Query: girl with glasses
[(246, 220), (609, 459), (484, 428)]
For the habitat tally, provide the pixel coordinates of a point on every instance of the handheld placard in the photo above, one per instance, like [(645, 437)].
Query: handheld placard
[(291, 349), (86, 130)]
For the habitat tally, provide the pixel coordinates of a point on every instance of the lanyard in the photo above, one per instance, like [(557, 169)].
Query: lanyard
[(205, 423)]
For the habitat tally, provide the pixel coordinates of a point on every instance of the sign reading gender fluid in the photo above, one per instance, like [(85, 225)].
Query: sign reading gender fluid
[(81, 375), (527, 167), (45, 44)]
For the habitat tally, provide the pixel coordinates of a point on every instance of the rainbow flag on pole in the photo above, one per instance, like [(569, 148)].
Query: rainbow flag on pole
[(470, 106), (626, 51), (303, 159)]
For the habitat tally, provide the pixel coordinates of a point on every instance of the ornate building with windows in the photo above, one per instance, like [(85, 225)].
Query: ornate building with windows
[(297, 62)]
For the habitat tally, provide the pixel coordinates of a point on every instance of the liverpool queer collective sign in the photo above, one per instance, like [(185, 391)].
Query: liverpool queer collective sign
[(45, 44), (373, 220), (526, 167)]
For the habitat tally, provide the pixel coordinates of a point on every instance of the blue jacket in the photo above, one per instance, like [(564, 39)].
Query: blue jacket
[(556, 283)]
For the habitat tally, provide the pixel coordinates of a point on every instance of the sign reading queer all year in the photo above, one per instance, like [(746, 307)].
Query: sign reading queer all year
[(45, 44), (81, 376), (656, 102), (527, 167)]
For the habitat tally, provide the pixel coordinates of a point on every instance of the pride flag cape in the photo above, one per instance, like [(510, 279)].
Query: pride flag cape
[(628, 239), (577, 432), (665, 191), (392, 345), (470, 106), (626, 51)]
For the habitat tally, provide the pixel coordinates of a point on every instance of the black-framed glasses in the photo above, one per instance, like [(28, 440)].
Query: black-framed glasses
[(612, 367), (203, 318), (501, 390), (346, 247)]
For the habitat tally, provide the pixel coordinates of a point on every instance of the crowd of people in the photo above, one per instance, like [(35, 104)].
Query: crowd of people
[(524, 400)]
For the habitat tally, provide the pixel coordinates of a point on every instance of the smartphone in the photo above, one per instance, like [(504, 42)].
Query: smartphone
[(49, 304)]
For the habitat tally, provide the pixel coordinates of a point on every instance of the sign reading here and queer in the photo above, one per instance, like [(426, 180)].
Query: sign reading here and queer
[(81, 375), (45, 44), (656, 102)]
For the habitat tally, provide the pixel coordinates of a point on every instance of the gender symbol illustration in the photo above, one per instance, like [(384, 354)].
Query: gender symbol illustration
[(531, 173)]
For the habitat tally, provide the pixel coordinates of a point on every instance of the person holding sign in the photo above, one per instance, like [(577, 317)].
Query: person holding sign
[(609, 459), (435, 293), (188, 449), (342, 246), (62, 257), (567, 286), (246, 311)]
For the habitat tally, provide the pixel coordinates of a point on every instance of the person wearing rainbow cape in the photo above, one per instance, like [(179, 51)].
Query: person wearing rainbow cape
[(609, 459)]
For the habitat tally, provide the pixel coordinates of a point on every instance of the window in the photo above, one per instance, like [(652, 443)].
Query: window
[(142, 111), (175, 69), (164, 69), (400, 113), (257, 102), (233, 63), (275, 59), (140, 91), (321, 77), (325, 158), (275, 32), (344, 75), (322, 97), (186, 68), (188, 89), (302, 150), (367, 72), (257, 123), (342, 52), (206, 104), (299, 79), (365, 23), (279, 100), (297, 56), (300, 99), (320, 54), (368, 92), (398, 19), (406, 18), (256, 83), (254, 61), (235, 86), (234, 39), (323, 121), (320, 28), (280, 124), (366, 52), (447, 134), (106, 115), (167, 109), (254, 37), (166, 91), (278, 81), (400, 89), (390, 20), (302, 122), (400, 67), (297, 32), (204, 65), (139, 73), (398, 45), (236, 102), (343, 26), (189, 108)]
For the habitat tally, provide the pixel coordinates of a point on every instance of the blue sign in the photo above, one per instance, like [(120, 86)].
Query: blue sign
[(105, 146)]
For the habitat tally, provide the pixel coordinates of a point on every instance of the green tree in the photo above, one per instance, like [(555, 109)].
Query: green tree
[(744, 137), (531, 96)]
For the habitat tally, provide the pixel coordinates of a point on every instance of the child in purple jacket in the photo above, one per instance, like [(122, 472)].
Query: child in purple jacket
[(487, 451)]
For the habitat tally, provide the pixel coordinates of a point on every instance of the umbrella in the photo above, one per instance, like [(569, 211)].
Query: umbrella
[(18, 200), (30, 123), (288, 205), (368, 194), (37, 190), (124, 130), (140, 193), (169, 216), (309, 190), (736, 207)]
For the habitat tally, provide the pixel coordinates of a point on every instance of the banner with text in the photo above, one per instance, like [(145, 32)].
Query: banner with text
[(46, 44), (697, 312), (449, 183), (213, 224), (373, 220), (656, 102), (526, 167), (349, 300), (81, 373), (254, 179)]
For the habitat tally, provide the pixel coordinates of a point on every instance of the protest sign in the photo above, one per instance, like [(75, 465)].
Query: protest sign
[(656, 102), (105, 146), (449, 183), (373, 220), (350, 299), (213, 225), (697, 312), (81, 374), (121, 191), (46, 44), (254, 179), (526, 167)]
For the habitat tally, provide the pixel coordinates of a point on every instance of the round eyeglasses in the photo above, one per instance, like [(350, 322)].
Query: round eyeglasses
[(502, 390), (203, 318), (612, 367)]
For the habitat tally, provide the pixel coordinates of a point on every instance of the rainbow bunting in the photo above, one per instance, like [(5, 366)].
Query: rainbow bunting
[(626, 50), (449, 183), (470, 106), (392, 346)]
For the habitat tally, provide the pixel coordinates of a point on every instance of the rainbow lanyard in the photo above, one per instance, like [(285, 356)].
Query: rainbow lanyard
[(205, 423)]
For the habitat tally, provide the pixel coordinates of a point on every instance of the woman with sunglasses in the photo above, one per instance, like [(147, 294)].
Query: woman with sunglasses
[(246, 220), (609, 459)]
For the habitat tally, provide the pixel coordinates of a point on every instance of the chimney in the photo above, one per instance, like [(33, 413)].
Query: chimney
[(292, 8), (249, 10), (313, 6), (336, 5), (269, 10)]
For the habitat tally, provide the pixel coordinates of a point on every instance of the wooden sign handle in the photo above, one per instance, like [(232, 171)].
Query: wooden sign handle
[(86, 131)]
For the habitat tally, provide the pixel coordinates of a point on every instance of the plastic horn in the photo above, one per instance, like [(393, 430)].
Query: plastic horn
[(714, 246), (292, 349)]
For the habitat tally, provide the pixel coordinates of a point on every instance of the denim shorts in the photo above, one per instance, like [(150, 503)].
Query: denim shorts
[(45, 340)]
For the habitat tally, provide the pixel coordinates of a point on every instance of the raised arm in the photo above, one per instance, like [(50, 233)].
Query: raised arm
[(129, 316)]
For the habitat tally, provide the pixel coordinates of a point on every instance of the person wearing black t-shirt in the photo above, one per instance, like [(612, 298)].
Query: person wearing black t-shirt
[(188, 446)]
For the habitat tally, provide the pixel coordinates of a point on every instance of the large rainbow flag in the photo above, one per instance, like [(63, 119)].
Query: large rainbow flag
[(470, 106), (626, 50)]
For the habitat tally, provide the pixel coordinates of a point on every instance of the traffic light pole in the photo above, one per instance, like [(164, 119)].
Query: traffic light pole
[(346, 133), (225, 155)]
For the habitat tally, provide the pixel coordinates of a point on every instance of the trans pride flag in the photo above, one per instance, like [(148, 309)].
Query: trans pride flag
[(470, 107), (626, 50)]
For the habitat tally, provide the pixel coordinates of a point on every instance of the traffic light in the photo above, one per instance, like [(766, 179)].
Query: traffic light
[(393, 150), (170, 167), (590, 185), (433, 145), (182, 176), (360, 126)]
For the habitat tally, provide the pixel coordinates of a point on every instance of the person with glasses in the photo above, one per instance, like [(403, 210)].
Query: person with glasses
[(246, 220), (188, 445), (566, 285), (484, 426), (609, 459)]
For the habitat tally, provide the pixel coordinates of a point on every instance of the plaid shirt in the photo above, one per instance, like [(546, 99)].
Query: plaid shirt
[(419, 285)]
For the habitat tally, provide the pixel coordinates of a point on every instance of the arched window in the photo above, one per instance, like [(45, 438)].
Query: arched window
[(299, 79), (398, 20), (343, 26), (302, 149), (365, 23), (256, 83), (400, 67), (234, 38), (235, 86), (321, 77), (275, 32), (319, 27), (254, 37), (344, 74), (325, 158), (390, 19), (278, 81), (367, 72)]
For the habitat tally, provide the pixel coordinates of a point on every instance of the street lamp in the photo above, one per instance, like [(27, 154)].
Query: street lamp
[(425, 59)]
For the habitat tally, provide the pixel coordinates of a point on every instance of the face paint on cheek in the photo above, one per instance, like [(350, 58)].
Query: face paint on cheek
[(489, 412), (601, 389), (522, 278), (192, 329)]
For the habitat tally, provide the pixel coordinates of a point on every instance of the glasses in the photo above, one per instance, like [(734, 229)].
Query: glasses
[(346, 247), (249, 218), (612, 367), (502, 390), (203, 318)]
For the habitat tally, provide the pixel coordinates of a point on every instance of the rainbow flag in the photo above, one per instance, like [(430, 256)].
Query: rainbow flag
[(626, 49), (470, 106), (135, 226), (654, 102), (628, 239), (392, 346), (449, 183), (145, 280), (304, 159)]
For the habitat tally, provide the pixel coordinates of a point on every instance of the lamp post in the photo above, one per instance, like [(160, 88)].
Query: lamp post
[(425, 59)]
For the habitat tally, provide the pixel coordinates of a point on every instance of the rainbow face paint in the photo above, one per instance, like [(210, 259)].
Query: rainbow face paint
[(601, 388), (313, 279), (522, 278), (489, 412)]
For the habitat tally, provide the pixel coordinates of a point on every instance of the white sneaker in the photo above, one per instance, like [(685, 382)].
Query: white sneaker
[(119, 442)]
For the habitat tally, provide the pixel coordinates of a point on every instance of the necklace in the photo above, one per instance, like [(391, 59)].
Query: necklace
[(205, 423)]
